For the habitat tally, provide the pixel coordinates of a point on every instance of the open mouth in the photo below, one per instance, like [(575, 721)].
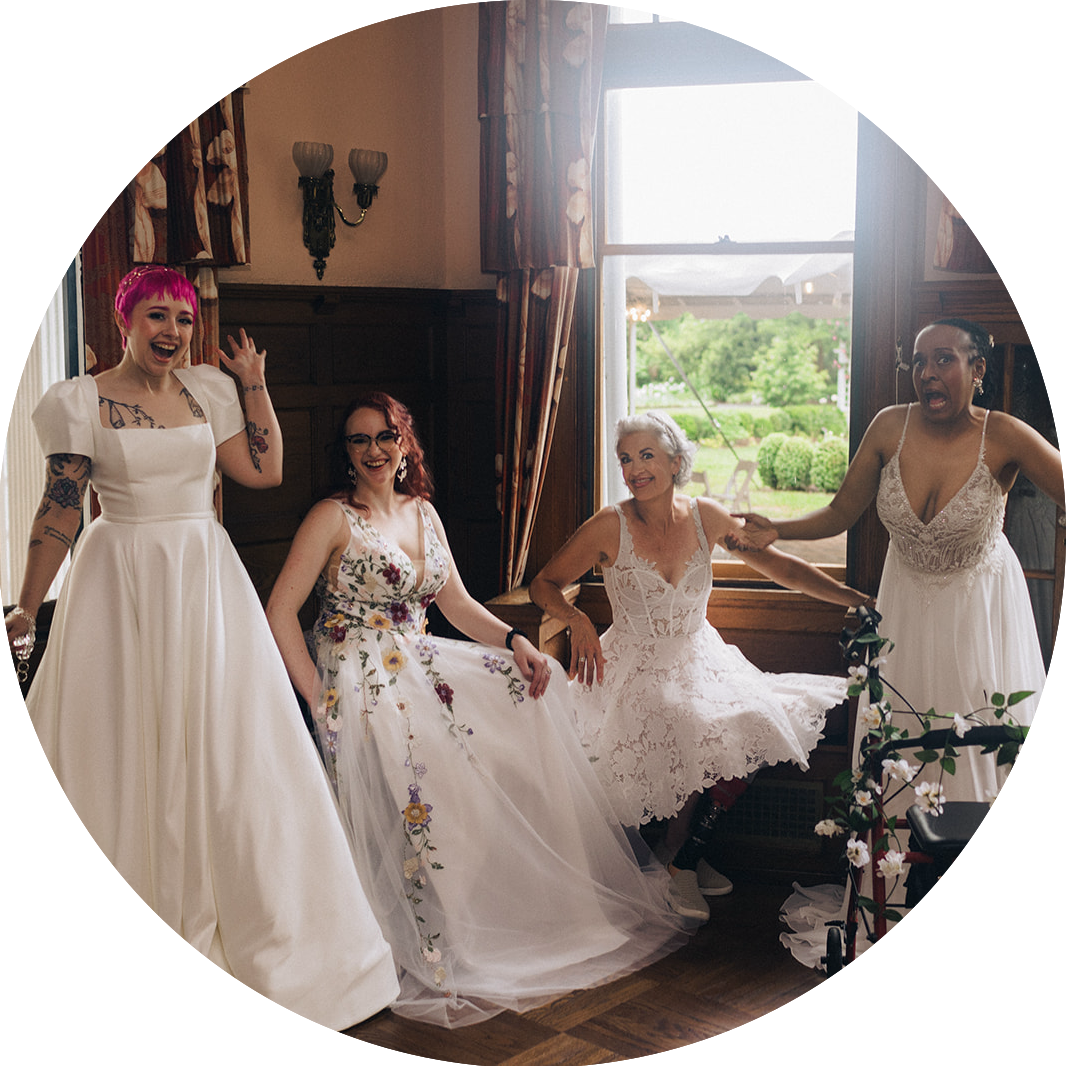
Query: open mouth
[(164, 352), (935, 401)]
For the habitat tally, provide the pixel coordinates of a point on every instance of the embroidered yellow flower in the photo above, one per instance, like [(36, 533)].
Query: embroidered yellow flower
[(394, 661), (379, 622), (416, 814), (336, 620), (330, 698)]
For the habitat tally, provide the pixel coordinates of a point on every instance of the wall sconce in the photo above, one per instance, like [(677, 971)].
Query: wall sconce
[(313, 159)]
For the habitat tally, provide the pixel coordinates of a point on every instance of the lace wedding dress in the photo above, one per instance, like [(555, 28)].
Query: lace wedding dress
[(489, 852), (168, 717), (679, 708), (955, 604)]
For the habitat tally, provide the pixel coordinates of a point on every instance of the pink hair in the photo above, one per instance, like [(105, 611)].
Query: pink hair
[(146, 282)]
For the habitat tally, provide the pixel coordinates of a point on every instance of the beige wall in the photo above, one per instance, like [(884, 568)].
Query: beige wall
[(408, 87)]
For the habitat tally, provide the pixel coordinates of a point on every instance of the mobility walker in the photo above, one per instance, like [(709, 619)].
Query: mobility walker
[(939, 830)]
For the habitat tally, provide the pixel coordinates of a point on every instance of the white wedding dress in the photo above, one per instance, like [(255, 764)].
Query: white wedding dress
[(679, 708), (168, 717), (489, 852), (954, 602)]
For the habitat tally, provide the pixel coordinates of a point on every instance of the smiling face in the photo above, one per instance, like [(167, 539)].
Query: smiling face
[(373, 455), (944, 370), (159, 333), (646, 467)]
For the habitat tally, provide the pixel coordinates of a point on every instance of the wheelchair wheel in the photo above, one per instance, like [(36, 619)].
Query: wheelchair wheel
[(834, 951)]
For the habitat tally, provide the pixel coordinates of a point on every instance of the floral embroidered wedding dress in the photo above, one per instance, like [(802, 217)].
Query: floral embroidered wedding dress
[(679, 708), (488, 850)]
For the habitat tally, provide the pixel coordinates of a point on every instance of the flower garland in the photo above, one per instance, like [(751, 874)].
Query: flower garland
[(865, 792)]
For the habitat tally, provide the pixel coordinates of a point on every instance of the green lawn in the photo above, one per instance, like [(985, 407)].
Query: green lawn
[(774, 503)]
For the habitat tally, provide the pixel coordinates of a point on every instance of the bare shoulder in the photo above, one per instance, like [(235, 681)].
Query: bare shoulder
[(715, 519)]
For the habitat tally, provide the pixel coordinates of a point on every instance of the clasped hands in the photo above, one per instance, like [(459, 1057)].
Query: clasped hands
[(756, 533)]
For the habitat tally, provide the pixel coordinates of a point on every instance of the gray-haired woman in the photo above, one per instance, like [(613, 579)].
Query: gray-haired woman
[(668, 711)]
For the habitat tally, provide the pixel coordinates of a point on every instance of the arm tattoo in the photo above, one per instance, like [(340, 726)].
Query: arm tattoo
[(58, 534), (68, 475), (257, 444)]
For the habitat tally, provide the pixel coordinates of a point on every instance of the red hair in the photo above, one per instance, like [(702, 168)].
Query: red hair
[(417, 481), (146, 282)]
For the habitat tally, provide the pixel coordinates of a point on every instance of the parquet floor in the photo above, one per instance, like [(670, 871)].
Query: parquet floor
[(732, 971)]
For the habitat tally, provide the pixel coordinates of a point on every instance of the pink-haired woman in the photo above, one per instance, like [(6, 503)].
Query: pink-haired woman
[(160, 701)]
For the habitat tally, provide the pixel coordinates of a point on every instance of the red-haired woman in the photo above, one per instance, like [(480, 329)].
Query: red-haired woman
[(161, 701), (488, 850)]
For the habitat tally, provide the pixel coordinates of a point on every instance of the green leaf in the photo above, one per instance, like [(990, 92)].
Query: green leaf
[(927, 755), (893, 916), (1017, 697), (998, 699), (948, 764)]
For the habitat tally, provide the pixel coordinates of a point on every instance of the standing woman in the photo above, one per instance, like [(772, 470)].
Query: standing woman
[(665, 706), (953, 595), (161, 702), (489, 852)]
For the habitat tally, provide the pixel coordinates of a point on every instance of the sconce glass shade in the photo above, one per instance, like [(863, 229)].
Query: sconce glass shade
[(366, 166), (312, 158)]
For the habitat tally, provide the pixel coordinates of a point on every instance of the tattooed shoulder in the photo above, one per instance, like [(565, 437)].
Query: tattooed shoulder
[(196, 409)]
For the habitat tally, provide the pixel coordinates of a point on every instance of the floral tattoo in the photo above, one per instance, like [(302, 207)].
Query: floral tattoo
[(257, 444)]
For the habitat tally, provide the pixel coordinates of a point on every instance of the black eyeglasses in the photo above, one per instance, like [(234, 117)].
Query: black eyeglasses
[(360, 441)]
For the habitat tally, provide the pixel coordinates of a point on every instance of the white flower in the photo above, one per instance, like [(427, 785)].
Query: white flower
[(439, 975), (857, 852), (827, 828), (961, 725), (879, 660), (431, 954), (410, 866), (891, 865), (859, 672), (899, 769), (930, 797), (863, 799)]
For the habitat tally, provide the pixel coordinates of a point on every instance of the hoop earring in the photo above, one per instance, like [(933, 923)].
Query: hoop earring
[(401, 471), (353, 475)]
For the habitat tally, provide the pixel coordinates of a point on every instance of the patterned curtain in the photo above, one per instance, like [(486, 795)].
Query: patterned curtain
[(187, 207), (540, 63)]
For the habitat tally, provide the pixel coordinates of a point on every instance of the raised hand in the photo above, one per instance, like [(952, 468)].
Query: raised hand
[(248, 364)]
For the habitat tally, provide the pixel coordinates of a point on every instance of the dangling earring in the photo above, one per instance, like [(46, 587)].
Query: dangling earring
[(978, 387), (401, 471), (353, 475)]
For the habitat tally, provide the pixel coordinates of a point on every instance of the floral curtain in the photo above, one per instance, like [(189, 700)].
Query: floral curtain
[(540, 63), (187, 207)]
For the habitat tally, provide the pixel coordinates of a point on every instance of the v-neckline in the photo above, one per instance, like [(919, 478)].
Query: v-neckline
[(962, 488), (394, 547), (652, 566)]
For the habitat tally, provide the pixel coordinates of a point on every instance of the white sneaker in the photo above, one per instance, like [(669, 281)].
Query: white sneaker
[(711, 882), (685, 898)]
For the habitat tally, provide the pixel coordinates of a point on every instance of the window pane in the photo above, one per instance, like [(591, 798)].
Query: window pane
[(763, 162)]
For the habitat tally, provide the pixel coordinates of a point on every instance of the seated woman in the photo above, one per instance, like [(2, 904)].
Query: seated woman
[(666, 708), (488, 851)]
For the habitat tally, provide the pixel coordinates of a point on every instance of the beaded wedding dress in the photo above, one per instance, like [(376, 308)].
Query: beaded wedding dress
[(954, 602), (166, 713), (679, 708), (489, 852)]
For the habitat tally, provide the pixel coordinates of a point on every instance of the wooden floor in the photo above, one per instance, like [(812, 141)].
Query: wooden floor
[(734, 970)]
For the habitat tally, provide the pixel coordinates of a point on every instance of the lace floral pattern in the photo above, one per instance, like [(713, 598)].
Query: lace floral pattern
[(679, 708), (961, 536)]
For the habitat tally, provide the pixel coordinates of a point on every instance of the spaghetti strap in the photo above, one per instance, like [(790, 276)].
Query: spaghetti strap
[(903, 435)]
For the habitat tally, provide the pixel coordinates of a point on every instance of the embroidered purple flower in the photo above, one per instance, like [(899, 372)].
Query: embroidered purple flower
[(493, 663), (427, 599), (398, 612), (337, 634), (391, 574), (444, 693)]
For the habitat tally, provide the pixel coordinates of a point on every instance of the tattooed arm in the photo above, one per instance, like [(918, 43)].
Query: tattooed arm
[(52, 533), (254, 457)]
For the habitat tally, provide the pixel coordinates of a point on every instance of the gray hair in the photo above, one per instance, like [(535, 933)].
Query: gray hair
[(667, 432)]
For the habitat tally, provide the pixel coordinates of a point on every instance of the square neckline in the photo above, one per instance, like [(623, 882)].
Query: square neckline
[(177, 372)]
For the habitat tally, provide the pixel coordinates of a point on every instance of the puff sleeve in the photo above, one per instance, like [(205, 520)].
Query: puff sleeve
[(63, 418), (216, 392)]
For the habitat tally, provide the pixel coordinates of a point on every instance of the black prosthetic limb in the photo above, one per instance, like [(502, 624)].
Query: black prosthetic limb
[(701, 832)]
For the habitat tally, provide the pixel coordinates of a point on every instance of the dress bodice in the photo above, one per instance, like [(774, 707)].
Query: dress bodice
[(644, 602), (961, 535), (376, 585), (144, 475)]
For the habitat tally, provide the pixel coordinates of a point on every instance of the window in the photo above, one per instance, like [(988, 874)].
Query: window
[(729, 208), (52, 358)]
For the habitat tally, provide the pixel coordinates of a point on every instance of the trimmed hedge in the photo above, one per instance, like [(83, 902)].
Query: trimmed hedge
[(829, 464), (792, 463), (765, 457)]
